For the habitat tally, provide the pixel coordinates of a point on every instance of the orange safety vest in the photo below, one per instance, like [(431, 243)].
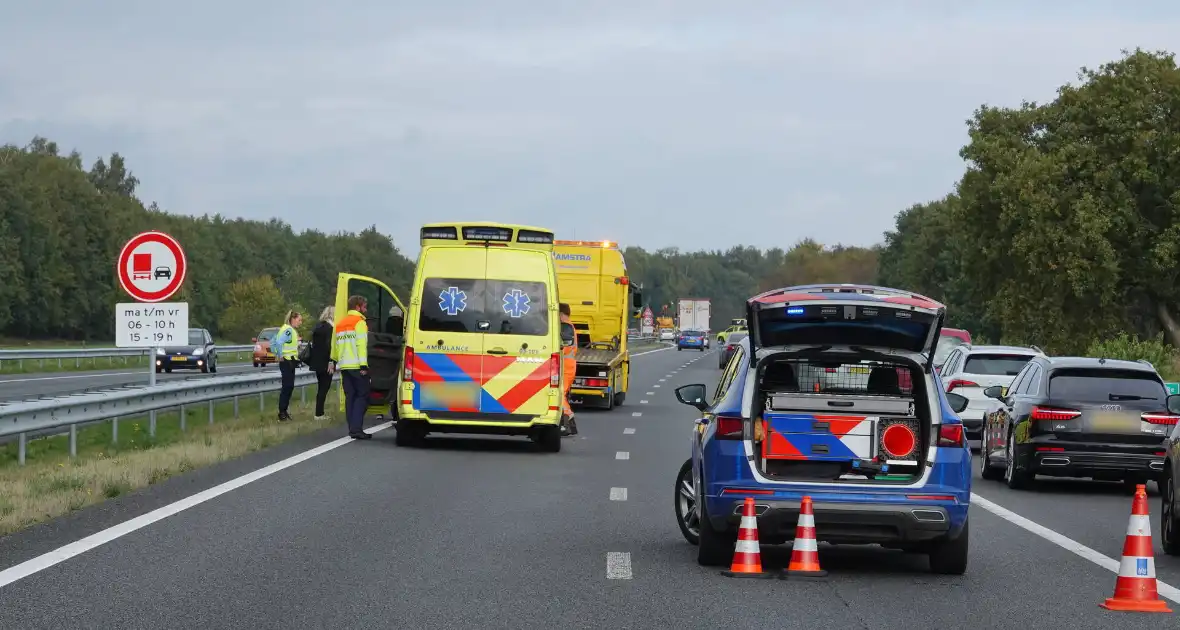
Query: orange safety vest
[(569, 368)]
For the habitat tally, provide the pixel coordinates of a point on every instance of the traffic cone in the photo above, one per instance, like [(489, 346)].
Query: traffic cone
[(805, 550), (747, 555), (1135, 588)]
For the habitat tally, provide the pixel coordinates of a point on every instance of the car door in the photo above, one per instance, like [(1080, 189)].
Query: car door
[(384, 317), (728, 375), (1009, 417), (210, 348), (996, 421)]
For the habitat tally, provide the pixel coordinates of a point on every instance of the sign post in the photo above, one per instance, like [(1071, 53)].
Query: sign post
[(151, 268)]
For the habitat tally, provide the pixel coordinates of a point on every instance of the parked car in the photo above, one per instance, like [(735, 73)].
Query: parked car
[(199, 353), (1169, 517), (1104, 419), (726, 351), (262, 352), (888, 467), (970, 369), (691, 339)]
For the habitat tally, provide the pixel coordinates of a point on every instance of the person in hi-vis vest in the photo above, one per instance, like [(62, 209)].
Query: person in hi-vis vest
[(350, 356), (569, 369), (286, 349)]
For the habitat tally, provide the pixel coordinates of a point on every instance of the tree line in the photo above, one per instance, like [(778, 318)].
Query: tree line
[(1064, 232)]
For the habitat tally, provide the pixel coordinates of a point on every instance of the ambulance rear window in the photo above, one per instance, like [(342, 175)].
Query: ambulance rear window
[(502, 307)]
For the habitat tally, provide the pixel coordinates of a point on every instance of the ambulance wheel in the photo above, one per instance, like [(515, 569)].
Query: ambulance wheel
[(549, 439), (619, 398), (408, 434)]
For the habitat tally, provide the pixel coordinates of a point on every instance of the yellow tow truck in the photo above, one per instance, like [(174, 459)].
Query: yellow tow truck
[(592, 279)]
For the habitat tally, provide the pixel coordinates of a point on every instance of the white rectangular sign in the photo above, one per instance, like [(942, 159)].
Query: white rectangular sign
[(148, 325)]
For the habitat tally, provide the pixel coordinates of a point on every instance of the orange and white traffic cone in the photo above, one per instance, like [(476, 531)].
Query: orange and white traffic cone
[(805, 550), (1135, 588), (747, 555)]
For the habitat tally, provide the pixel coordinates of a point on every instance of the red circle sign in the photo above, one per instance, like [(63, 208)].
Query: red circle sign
[(151, 267)]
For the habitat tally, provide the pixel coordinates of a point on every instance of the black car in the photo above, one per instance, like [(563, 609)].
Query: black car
[(1077, 417), (1169, 518), (199, 353), (727, 349)]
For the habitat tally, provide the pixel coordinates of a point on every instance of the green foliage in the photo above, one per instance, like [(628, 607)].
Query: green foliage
[(62, 226), (1066, 225), (252, 304), (1129, 348)]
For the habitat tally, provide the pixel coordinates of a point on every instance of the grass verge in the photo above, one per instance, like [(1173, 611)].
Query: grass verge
[(51, 484)]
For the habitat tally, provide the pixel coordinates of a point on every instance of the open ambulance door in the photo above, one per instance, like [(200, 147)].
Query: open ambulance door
[(386, 318)]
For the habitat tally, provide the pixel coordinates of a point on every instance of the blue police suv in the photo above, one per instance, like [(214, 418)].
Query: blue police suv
[(833, 396), (691, 339)]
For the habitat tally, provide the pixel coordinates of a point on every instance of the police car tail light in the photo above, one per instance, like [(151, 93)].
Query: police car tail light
[(729, 427), (1160, 418), (408, 368), (555, 370), (950, 435), (1053, 414)]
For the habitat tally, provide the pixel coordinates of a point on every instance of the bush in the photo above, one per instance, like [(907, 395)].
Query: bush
[(1155, 351)]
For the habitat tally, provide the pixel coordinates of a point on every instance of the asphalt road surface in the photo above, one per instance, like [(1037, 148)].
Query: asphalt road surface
[(489, 533), (23, 386)]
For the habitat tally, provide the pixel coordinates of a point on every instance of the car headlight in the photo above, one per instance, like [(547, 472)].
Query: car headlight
[(159, 351), (198, 352)]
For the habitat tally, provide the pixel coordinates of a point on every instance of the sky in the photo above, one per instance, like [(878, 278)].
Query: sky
[(660, 123)]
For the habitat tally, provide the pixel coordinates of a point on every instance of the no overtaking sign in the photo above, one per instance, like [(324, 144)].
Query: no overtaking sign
[(151, 268)]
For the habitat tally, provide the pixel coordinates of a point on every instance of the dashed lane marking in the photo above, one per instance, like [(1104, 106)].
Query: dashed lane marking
[(44, 561), (1066, 543), (618, 494), (663, 379), (628, 431), (643, 402), (622, 455), (618, 565), (636, 414), (654, 386), (649, 393)]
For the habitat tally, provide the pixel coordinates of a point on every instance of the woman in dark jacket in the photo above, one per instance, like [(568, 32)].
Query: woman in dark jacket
[(320, 360)]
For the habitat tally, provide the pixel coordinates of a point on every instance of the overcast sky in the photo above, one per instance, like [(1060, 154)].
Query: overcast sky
[(689, 123)]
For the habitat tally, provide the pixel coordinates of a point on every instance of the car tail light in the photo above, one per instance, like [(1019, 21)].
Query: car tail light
[(408, 365), (555, 370), (1053, 414), (596, 382), (950, 435), (831, 370), (729, 427), (958, 382), (1160, 418)]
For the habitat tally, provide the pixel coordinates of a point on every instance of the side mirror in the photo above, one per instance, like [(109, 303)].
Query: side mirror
[(958, 403), (693, 396), (995, 391), (1174, 404), (254, 340), (636, 300), (567, 335)]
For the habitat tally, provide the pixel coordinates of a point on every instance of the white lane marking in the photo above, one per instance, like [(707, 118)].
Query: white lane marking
[(98, 375), (663, 379), (1066, 543), (649, 393), (628, 431), (618, 494), (639, 354), (61, 554), (654, 386), (636, 414), (643, 402), (618, 565), (622, 455)]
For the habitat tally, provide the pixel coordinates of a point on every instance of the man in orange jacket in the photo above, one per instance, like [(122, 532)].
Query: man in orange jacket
[(569, 369)]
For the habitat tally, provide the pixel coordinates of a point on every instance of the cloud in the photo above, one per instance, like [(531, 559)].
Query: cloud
[(688, 123)]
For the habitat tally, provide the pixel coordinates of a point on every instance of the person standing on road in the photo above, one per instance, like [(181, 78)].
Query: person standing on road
[(287, 351), (350, 354), (320, 358), (569, 368)]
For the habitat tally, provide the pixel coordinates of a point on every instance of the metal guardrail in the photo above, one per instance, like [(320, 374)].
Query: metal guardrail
[(78, 354), (50, 416)]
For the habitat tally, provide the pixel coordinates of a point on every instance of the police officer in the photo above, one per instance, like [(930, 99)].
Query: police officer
[(286, 344), (569, 368), (350, 356)]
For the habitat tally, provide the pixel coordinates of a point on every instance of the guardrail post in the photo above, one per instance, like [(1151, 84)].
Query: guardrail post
[(261, 402), (73, 441), (59, 364), (303, 394), (210, 412), (78, 362), (236, 415), (22, 441), (152, 424), (183, 417), (115, 430)]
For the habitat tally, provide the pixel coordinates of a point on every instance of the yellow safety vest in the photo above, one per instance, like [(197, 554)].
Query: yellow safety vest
[(290, 349), (350, 342)]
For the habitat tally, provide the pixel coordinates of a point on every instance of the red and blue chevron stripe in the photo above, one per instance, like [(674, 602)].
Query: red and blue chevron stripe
[(493, 384)]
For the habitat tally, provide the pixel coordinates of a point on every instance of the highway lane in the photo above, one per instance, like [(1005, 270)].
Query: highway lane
[(489, 533), (22, 386)]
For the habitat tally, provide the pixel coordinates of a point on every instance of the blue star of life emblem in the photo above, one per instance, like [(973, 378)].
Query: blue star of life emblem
[(452, 301), (516, 303)]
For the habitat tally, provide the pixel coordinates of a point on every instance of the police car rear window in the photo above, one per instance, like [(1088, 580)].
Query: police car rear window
[(504, 307)]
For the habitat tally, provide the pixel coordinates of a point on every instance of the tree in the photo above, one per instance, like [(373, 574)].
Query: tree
[(252, 304)]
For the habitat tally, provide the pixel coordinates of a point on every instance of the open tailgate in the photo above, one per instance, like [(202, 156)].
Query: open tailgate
[(845, 315)]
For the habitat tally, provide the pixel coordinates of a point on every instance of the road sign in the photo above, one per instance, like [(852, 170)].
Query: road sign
[(151, 325), (151, 267), (1173, 388)]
